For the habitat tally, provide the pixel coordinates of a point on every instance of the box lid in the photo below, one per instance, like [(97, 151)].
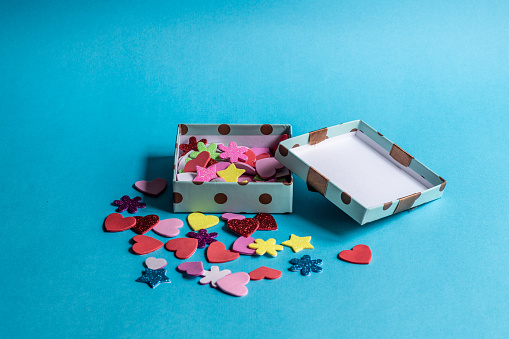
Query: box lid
[(359, 170)]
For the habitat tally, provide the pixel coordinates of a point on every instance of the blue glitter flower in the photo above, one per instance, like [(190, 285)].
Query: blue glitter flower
[(154, 277), (305, 265)]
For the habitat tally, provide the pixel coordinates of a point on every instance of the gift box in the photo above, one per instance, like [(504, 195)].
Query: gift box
[(220, 197), (361, 171)]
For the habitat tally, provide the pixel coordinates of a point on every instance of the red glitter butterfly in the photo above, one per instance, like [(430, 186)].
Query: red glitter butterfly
[(191, 146)]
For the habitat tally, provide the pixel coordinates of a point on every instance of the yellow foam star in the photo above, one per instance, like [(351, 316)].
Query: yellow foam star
[(268, 246), (298, 243), (231, 174)]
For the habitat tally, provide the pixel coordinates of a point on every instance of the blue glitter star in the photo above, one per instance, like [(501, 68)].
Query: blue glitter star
[(305, 265), (154, 277)]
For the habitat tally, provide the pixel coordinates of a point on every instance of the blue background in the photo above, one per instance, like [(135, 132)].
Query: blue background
[(90, 97)]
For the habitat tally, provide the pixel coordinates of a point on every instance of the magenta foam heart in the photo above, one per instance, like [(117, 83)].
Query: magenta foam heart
[(240, 245), (234, 284), (154, 187), (229, 216), (168, 227), (248, 169), (194, 268), (267, 167)]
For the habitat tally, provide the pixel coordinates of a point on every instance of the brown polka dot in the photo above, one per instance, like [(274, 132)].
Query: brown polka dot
[(387, 205), (177, 198), (346, 198), (224, 129), (197, 182), (265, 198), (266, 129), (353, 130), (220, 198), (296, 145), (283, 150), (183, 129), (287, 183), (380, 134), (243, 183)]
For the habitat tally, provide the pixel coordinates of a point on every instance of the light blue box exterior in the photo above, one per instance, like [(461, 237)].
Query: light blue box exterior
[(248, 198), (353, 208)]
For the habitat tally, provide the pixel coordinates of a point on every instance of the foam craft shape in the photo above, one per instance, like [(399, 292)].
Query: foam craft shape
[(145, 224), (184, 248), (201, 160), (154, 187), (205, 174), (220, 166), (194, 268), (248, 170), (231, 174), (360, 170), (267, 167), (155, 264), (168, 228), (259, 150), (251, 158), (144, 244), (230, 216), (241, 245), (262, 156), (234, 284), (186, 176), (217, 253), (360, 254), (246, 178), (115, 222), (283, 138), (270, 247), (264, 272), (213, 276), (297, 244), (233, 152), (245, 227), (266, 221), (198, 221)]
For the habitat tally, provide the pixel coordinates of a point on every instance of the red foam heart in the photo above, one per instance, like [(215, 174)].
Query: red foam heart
[(267, 222), (265, 273), (360, 254), (145, 224), (262, 156), (283, 137), (251, 158), (217, 253), (244, 227), (115, 222), (183, 247), (201, 160), (144, 244)]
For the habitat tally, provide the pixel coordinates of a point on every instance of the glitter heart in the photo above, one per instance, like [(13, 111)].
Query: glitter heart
[(265, 273), (244, 227), (183, 247), (360, 254), (240, 246), (266, 168), (234, 284), (154, 187), (155, 264), (145, 224), (217, 253), (115, 222), (144, 244), (194, 268), (168, 227), (267, 222), (201, 160)]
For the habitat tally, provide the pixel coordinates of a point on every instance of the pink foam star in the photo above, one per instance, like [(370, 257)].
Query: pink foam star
[(233, 152), (205, 174)]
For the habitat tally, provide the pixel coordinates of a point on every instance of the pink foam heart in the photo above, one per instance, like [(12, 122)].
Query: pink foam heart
[(229, 216), (234, 284), (154, 187), (248, 178), (240, 245), (260, 150), (194, 268), (154, 263), (266, 168), (221, 166), (168, 227)]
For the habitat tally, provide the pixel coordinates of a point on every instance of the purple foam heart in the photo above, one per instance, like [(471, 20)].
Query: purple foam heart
[(154, 187), (266, 168), (194, 268), (240, 245), (248, 169)]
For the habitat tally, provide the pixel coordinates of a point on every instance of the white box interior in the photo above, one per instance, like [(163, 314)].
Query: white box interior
[(362, 168)]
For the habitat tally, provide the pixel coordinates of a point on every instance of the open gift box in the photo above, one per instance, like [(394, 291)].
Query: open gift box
[(220, 197), (358, 169)]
